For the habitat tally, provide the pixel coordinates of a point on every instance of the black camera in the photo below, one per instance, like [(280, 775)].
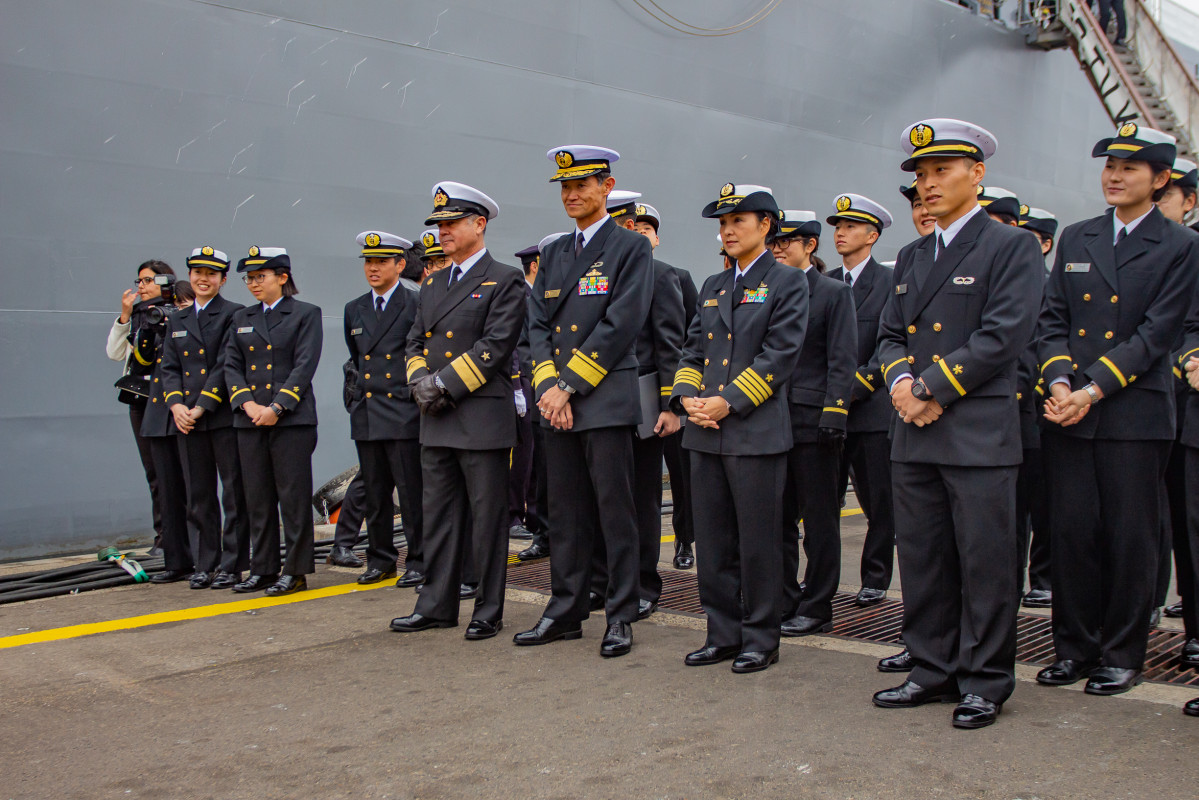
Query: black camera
[(157, 314)]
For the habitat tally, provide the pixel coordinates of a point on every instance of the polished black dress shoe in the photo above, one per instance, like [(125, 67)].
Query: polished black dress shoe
[(287, 584), (595, 601), (805, 626), (255, 583), (411, 577), (1189, 655), (975, 712), (519, 532), (870, 597), (900, 662), (468, 590), (539, 549), (910, 695), (417, 622), (1113, 680), (1173, 611), (710, 654), (684, 556), (1066, 672), (618, 640), (200, 580), (482, 629), (225, 580), (549, 630), (374, 575), (645, 608), (754, 661), (1155, 617), (343, 557), (1037, 598), (171, 576), (1191, 709)]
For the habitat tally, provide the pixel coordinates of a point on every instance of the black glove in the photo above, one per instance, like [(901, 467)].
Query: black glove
[(351, 390), (425, 391), (439, 406), (830, 437)]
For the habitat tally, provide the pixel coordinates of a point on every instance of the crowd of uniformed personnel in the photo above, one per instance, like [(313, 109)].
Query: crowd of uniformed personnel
[(980, 400)]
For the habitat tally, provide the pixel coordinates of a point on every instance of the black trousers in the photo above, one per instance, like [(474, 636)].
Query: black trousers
[(591, 482), (956, 530), (386, 465), (1032, 523), (207, 456), (1190, 603), (466, 506), (351, 513), (1106, 8), (136, 415), (870, 456), (537, 511), (678, 464), (1105, 514), (276, 469), (812, 493), (647, 501), (739, 544), (1186, 565), (1165, 541), (520, 477), (177, 546)]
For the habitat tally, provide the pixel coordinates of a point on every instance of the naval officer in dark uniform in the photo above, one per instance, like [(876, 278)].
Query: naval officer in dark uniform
[(273, 350), (962, 309), (384, 421), (732, 382), (819, 405), (459, 365), (1114, 307), (1188, 361), (591, 297), (193, 380)]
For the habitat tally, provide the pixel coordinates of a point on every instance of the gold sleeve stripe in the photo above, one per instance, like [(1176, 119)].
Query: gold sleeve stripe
[(207, 393), (689, 372), (688, 377), (138, 355), (1187, 355), (864, 382), (290, 392), (593, 363), (467, 373), (1177, 372), (665, 390), (544, 371), (952, 380), (1115, 370), (844, 411), (1050, 361), (585, 369), (757, 381), (751, 391), (887, 368), (415, 363), (239, 391), (1040, 391), (167, 396)]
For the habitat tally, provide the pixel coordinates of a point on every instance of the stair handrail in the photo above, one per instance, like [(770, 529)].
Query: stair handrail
[(1095, 53), (1164, 68)]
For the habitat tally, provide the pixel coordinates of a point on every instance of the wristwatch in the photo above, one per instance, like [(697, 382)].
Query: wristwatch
[(1090, 390), (920, 391), (566, 387), (278, 409)]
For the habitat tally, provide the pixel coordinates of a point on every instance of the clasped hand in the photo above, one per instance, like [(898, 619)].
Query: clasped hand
[(706, 412), (910, 408)]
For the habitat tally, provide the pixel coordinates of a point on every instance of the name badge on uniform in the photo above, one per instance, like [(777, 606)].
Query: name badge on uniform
[(901, 289), (552, 293), (1084, 266), (249, 329), (594, 284), (710, 303), (178, 334), (356, 331), (756, 295)]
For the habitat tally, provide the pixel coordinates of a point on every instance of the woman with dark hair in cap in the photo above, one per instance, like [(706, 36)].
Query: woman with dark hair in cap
[(274, 347), (922, 220), (732, 381)]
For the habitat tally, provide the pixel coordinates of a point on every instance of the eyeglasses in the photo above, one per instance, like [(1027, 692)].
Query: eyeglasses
[(143, 281), (250, 280)]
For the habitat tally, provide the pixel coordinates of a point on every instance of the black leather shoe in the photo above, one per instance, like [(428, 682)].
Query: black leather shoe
[(710, 654), (870, 597), (595, 602), (549, 630), (645, 608), (1173, 611), (684, 556), (200, 580), (1191, 709), (754, 661), (539, 549), (1113, 680), (468, 590), (805, 626), (482, 629), (417, 622), (343, 557), (255, 583), (900, 662), (910, 695), (1066, 672), (618, 640), (1037, 598), (374, 575), (225, 580), (975, 712), (411, 577), (287, 584), (1189, 655), (519, 532), (1155, 617), (171, 576)]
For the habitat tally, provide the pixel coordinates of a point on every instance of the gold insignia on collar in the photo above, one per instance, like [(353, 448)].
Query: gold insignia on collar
[(726, 190), (640, 210), (564, 159), (441, 198), (253, 251), (921, 136), (843, 203), (428, 240), (372, 240), (1128, 129), (206, 250)]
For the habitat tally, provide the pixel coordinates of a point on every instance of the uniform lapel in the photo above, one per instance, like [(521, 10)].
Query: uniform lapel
[(1141, 239), (366, 318), (1099, 247), (382, 324), (258, 321), (939, 270), (187, 317), (576, 266), (280, 311), (864, 285), (453, 295), (724, 297)]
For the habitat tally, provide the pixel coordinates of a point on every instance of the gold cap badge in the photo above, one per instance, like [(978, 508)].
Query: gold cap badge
[(564, 159), (1128, 129), (640, 210), (726, 190), (206, 250), (428, 240), (372, 240), (1023, 210), (254, 251), (921, 135), (843, 203), (440, 199)]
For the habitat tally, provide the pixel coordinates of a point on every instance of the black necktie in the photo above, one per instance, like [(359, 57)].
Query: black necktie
[(455, 273), (378, 306), (579, 242), (940, 247), (848, 276), (1120, 236)]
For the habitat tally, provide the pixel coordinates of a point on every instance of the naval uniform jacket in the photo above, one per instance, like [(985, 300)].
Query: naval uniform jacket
[(824, 374), (377, 343), (660, 341), (584, 318), (690, 295), (742, 345), (870, 410), (960, 322), (193, 362), (1111, 315), (274, 362), (466, 334)]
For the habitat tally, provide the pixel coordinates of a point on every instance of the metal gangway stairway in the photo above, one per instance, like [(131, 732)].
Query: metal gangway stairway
[(1146, 80)]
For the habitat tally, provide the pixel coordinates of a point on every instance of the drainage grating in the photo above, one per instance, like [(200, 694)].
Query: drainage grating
[(883, 623)]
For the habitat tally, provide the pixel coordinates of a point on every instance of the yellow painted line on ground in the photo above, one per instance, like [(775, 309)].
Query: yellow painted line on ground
[(180, 615)]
